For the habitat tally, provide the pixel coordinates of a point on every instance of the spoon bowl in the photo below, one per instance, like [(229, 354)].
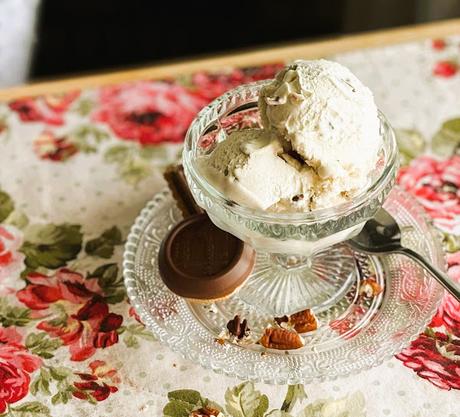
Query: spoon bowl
[(382, 235)]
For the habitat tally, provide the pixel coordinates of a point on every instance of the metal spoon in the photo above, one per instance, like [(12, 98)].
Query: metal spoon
[(382, 234)]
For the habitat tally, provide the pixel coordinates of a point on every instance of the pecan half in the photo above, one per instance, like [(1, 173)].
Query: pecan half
[(303, 321), (237, 327), (282, 339), (205, 412), (369, 288)]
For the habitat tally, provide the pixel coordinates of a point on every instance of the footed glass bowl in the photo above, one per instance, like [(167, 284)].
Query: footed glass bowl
[(301, 262)]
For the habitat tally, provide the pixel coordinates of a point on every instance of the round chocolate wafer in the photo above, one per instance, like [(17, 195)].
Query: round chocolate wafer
[(197, 260), (201, 262)]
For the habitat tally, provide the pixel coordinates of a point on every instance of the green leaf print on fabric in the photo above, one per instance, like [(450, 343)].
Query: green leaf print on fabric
[(294, 394), (4, 127), (134, 171), (61, 378), (60, 373), (130, 167), (187, 395), (178, 408), (117, 154), (411, 144), (134, 163), (446, 141), (41, 384), (110, 281), (84, 106), (349, 406), (29, 409), (63, 384), (87, 137), (183, 402), (278, 413), (63, 396), (40, 344), (12, 315), (17, 219), (103, 246), (453, 125), (51, 246), (185, 80), (64, 388), (451, 242), (135, 331), (154, 152), (245, 401), (6, 205)]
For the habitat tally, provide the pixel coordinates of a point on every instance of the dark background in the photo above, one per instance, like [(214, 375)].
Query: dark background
[(75, 37)]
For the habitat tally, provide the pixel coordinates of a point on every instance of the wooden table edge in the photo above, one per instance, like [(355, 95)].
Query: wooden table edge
[(307, 50)]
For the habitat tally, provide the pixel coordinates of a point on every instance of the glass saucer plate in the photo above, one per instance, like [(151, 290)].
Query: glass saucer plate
[(353, 335)]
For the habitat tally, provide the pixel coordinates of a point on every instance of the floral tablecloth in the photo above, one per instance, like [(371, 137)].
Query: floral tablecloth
[(75, 170)]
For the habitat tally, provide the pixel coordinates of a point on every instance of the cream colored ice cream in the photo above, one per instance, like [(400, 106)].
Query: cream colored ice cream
[(319, 142), (251, 168), (328, 117)]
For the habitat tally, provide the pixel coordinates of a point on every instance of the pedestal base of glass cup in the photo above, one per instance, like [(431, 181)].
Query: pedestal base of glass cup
[(284, 284)]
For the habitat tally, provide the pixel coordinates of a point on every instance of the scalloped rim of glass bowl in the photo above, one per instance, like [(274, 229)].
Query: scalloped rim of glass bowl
[(209, 114), (224, 367)]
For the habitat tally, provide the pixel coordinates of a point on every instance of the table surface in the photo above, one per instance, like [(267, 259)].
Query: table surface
[(80, 157), (261, 56)]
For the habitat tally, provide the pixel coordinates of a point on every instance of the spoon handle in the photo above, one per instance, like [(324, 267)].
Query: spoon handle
[(440, 276)]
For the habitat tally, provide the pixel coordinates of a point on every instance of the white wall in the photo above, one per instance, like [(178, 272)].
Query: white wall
[(17, 35)]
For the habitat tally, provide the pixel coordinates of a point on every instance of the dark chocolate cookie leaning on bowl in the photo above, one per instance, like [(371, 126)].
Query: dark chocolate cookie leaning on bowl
[(197, 260)]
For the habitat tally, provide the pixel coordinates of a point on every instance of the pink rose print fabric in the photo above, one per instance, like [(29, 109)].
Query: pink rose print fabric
[(48, 109), (87, 324), (11, 260), (436, 184), (449, 312), (435, 355), (148, 112), (16, 365), (58, 149), (95, 384), (209, 86)]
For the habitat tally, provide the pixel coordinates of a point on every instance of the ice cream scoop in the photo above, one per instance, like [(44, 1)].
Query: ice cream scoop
[(251, 168), (318, 143), (327, 116)]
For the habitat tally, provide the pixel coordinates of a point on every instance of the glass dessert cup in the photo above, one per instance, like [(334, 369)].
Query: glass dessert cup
[(301, 259)]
